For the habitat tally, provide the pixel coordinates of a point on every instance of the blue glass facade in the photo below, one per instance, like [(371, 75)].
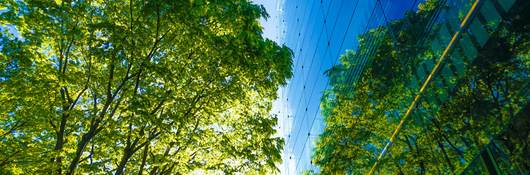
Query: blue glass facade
[(318, 32), (452, 40)]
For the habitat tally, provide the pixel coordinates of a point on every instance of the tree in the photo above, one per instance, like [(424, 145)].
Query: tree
[(138, 87)]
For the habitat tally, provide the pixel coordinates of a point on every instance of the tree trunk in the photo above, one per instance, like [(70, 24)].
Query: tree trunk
[(144, 158), (81, 147), (59, 144), (125, 158)]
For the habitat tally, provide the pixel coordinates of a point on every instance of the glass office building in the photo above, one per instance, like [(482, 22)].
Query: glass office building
[(318, 32), (435, 87)]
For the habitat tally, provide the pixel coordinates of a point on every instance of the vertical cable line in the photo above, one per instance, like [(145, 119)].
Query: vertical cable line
[(301, 27), (301, 59), (308, 73), (335, 60), (463, 26), (325, 15), (315, 82), (298, 27), (372, 44), (314, 116), (351, 73), (297, 46), (334, 63)]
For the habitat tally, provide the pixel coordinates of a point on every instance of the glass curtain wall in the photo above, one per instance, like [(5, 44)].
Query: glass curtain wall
[(318, 32), (472, 116)]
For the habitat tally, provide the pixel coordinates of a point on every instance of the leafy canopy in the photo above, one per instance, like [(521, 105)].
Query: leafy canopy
[(158, 87)]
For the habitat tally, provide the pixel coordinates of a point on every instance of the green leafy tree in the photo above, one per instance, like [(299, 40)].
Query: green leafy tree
[(143, 87)]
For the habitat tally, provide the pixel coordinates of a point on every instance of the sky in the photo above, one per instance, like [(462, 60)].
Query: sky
[(272, 29), (272, 24)]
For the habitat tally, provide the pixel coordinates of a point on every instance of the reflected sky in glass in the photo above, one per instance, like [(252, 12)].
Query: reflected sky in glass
[(317, 32)]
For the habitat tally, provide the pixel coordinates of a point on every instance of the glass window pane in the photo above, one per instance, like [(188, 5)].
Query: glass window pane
[(506, 4), (421, 74), (458, 63), (444, 36), (428, 64), (469, 50), (490, 13), (436, 48), (478, 31), (448, 75), (413, 84), (446, 71)]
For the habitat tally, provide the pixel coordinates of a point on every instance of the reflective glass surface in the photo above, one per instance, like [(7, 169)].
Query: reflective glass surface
[(455, 46), (319, 32)]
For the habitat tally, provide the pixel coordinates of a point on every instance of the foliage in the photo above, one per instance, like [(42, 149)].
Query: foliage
[(158, 87)]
